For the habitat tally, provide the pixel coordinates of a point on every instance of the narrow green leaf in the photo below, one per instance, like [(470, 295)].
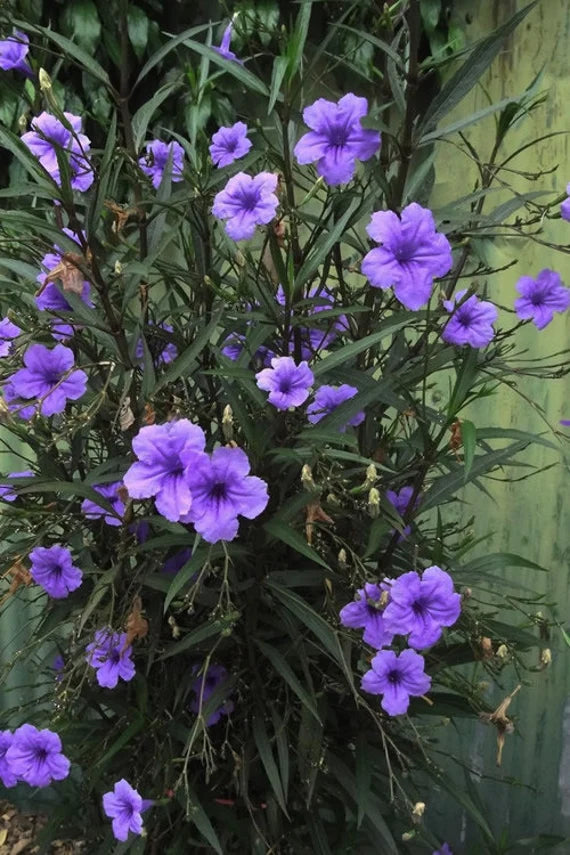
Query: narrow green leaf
[(296, 44), (202, 822), (282, 667), (382, 46), (183, 363), (292, 538), (309, 749), (264, 748), (313, 621), (323, 246), (14, 145), (73, 51), (197, 636), (242, 74), (137, 24), (346, 353), (145, 113), (277, 74), (499, 561), (469, 441), (363, 776)]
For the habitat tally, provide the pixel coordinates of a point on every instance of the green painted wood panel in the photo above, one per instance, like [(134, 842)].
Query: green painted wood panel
[(530, 517)]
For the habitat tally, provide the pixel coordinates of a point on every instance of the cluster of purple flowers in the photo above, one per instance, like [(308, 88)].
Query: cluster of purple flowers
[(412, 605), (208, 490), (50, 135), (110, 655), (32, 756)]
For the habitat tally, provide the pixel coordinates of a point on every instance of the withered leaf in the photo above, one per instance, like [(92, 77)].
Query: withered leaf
[(136, 625)]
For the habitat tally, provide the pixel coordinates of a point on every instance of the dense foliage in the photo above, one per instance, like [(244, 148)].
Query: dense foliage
[(226, 305)]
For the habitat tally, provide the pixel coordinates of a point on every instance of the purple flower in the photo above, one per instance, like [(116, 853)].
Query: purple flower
[(411, 255), (397, 678), (565, 206), (111, 492), (444, 849), (245, 202), (224, 48), (422, 606), (13, 52), (401, 501), (153, 163), (58, 666), (287, 383), (6, 492), (222, 489), (337, 139), (53, 569), (35, 756), (471, 322), (8, 331), (366, 613), (314, 339), (162, 351), (49, 376), (48, 135), (541, 297), (7, 776), (327, 399), (111, 658), (233, 346), (229, 144), (165, 454), (565, 422), (177, 561), (15, 404), (215, 677), (50, 298), (124, 806)]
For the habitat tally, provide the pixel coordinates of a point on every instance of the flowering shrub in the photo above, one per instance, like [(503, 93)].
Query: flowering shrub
[(231, 513)]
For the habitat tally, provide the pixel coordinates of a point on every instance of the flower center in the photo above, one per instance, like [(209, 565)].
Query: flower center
[(231, 144), (338, 135), (403, 252), (537, 298), (285, 385), (250, 199), (394, 677), (41, 755), (218, 492), (114, 656), (463, 318), (57, 570), (419, 607)]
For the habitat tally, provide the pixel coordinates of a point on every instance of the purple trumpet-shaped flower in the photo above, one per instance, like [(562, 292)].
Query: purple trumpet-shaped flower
[(153, 163), (246, 202), (216, 676), (15, 403), (112, 493), (327, 399), (111, 658), (165, 454), (50, 377), (48, 135), (444, 849), (288, 384), (161, 350), (8, 332), (401, 500), (337, 139), (53, 569), (13, 52), (412, 254), (420, 606), (222, 489), (7, 494), (471, 322), (229, 144), (35, 756), (366, 612), (7, 776), (50, 298), (224, 48), (565, 206), (124, 806), (541, 297), (397, 678)]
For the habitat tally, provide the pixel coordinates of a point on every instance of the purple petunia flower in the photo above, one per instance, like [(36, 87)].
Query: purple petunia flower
[(53, 569), (50, 377), (565, 422), (444, 849), (287, 383), (366, 612), (8, 332), (422, 606), (162, 351), (111, 492), (224, 48), (565, 206), (13, 52), (15, 403), (471, 322), (7, 494), (48, 135), (327, 399), (541, 297), (245, 202), (216, 676), (412, 254), (401, 500), (397, 678), (165, 454), (177, 561), (124, 806), (111, 658), (35, 756), (153, 163), (337, 139), (229, 144), (222, 489), (50, 297), (7, 776)]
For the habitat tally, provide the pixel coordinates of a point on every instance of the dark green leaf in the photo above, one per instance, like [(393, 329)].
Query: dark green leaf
[(282, 667), (264, 748)]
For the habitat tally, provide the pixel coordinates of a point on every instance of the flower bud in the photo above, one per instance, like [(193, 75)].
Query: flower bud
[(45, 80), (175, 629), (307, 478), (208, 282), (502, 651), (240, 259), (546, 657), (228, 423), (118, 268), (23, 123), (419, 809), (342, 559), (408, 835), (374, 503)]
